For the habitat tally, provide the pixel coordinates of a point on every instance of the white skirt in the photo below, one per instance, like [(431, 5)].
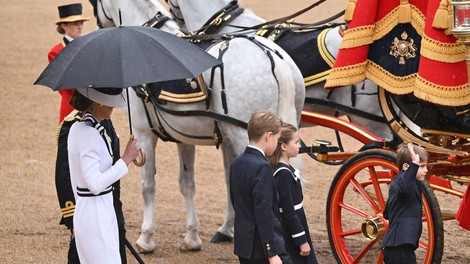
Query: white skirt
[(96, 230)]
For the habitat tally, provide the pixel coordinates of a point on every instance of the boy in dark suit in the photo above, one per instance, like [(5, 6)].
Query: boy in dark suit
[(258, 235), (404, 206)]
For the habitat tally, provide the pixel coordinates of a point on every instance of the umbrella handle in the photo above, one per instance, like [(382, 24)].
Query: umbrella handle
[(143, 158)]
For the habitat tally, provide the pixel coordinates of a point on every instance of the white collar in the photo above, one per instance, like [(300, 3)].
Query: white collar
[(69, 38), (251, 146)]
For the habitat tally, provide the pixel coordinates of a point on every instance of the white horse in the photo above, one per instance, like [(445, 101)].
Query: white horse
[(255, 78), (361, 105)]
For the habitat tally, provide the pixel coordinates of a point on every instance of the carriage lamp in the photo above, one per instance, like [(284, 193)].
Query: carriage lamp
[(460, 25)]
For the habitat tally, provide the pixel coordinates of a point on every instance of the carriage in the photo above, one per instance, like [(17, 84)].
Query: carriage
[(358, 192)]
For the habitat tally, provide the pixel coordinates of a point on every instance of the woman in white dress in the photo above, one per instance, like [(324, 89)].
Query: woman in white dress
[(92, 173)]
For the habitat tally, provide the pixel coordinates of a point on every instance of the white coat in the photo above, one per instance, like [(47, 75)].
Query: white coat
[(95, 224)]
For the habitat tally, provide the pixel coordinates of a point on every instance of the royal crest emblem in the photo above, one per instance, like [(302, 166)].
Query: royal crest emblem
[(403, 48)]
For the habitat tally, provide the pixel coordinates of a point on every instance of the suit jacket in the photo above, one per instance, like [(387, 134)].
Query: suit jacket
[(404, 210), (258, 232)]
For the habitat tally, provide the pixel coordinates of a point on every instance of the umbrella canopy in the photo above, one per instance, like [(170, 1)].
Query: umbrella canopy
[(125, 56)]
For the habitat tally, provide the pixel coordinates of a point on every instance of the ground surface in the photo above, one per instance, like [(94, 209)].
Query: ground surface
[(29, 212)]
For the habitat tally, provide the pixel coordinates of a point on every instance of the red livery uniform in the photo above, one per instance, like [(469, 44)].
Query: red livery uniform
[(65, 107)]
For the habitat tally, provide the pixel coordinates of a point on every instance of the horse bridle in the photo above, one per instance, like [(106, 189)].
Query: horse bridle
[(178, 17), (95, 3)]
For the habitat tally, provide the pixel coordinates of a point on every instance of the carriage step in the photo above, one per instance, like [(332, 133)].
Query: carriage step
[(448, 214), (321, 147)]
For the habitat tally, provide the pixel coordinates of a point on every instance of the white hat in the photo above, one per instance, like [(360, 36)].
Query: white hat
[(112, 97)]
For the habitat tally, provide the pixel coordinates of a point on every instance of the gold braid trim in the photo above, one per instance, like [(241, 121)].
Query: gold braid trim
[(386, 24), (323, 49), (404, 12), (418, 20), (440, 51), (391, 83), (440, 94), (391, 20), (356, 37), (342, 76), (68, 118), (365, 35), (316, 78), (348, 14)]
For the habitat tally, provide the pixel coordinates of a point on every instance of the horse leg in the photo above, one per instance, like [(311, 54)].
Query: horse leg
[(186, 154), (144, 243), (225, 232)]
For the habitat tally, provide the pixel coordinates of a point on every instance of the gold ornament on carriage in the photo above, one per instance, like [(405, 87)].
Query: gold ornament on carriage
[(403, 48)]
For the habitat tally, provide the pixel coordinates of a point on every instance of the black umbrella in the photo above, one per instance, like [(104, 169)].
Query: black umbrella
[(122, 57)]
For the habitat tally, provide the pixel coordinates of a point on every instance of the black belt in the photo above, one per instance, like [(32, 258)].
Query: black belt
[(84, 192)]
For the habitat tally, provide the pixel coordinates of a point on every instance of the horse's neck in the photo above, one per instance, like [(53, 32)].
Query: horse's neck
[(137, 12), (197, 12), (246, 19)]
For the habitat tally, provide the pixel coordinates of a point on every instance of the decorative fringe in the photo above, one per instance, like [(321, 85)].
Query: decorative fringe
[(442, 17), (356, 37), (392, 83), (404, 12), (443, 52), (348, 14), (342, 76), (440, 94)]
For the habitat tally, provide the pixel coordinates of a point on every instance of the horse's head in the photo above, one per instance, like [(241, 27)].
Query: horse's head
[(110, 13)]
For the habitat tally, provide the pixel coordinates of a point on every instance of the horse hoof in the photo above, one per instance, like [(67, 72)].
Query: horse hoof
[(186, 248), (220, 238), (149, 248)]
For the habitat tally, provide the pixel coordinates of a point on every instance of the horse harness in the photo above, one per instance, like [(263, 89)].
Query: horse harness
[(146, 93), (273, 33)]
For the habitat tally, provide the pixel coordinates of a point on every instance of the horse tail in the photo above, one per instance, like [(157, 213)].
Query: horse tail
[(290, 85)]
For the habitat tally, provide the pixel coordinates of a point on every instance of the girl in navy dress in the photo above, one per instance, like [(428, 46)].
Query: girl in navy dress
[(289, 187)]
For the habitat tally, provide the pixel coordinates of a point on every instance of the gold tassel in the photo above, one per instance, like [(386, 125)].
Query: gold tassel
[(442, 17), (348, 14), (404, 12)]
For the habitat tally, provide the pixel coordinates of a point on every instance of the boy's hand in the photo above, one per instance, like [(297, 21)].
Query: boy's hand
[(414, 156), (304, 249), (275, 260)]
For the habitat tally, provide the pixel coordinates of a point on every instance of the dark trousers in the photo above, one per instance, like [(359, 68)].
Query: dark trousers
[(284, 257), (400, 255), (72, 256)]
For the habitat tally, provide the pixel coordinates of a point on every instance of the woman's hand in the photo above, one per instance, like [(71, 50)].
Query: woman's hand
[(131, 152)]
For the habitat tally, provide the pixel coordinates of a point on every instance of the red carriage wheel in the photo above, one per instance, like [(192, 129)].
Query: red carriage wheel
[(355, 206)]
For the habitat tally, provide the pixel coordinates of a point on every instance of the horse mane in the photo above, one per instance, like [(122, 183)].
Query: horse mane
[(154, 6)]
